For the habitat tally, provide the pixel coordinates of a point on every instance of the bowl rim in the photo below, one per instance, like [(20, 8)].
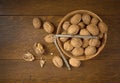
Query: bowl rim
[(69, 54)]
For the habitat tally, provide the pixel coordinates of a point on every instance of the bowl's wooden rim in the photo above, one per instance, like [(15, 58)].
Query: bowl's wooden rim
[(59, 29)]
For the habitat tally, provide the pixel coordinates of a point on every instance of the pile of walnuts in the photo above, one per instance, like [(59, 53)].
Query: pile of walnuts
[(82, 24), (85, 24)]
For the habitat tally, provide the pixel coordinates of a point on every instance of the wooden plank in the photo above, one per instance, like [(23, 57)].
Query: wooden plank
[(58, 7), (89, 72), (17, 36)]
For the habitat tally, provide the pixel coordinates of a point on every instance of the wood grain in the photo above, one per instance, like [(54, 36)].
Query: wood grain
[(17, 36), (57, 7), (88, 72)]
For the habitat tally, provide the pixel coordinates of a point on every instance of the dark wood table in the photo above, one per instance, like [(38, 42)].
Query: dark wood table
[(17, 36)]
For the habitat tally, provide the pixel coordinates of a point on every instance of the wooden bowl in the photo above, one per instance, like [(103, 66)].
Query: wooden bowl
[(59, 30)]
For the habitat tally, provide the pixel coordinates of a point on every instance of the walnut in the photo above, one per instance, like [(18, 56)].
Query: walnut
[(64, 39), (68, 46), (42, 63), (93, 29), (38, 48), (76, 42), (86, 19), (28, 57), (57, 61), (78, 51), (103, 27), (90, 50), (49, 38), (75, 19), (98, 44), (94, 21), (66, 25), (48, 27), (74, 62), (85, 43), (94, 42), (101, 35), (36, 23), (82, 25), (84, 32), (73, 29)]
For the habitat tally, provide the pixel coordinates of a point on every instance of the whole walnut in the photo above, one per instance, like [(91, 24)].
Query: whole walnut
[(74, 62), (49, 38), (84, 32), (85, 43), (66, 25), (82, 25), (76, 42), (48, 27), (57, 61), (103, 27), (64, 39), (86, 18), (36, 23), (101, 35), (94, 21), (67, 46), (90, 50), (75, 19), (78, 51), (94, 42), (98, 44), (93, 29), (73, 29)]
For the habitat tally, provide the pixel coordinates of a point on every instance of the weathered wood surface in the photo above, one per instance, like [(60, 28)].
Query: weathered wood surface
[(90, 71), (17, 36), (57, 7)]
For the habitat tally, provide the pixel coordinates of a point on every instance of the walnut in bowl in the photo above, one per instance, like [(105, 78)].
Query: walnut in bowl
[(83, 22)]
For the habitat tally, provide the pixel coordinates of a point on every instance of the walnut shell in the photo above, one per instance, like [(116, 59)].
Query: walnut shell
[(57, 61), (67, 46), (49, 38), (36, 23), (28, 57), (75, 19), (84, 32), (103, 27), (76, 42), (66, 25), (98, 44), (74, 62), (82, 25), (86, 19), (38, 48), (85, 43), (64, 39), (94, 21), (90, 50), (48, 27), (93, 29), (73, 29), (94, 42), (78, 51), (101, 35)]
